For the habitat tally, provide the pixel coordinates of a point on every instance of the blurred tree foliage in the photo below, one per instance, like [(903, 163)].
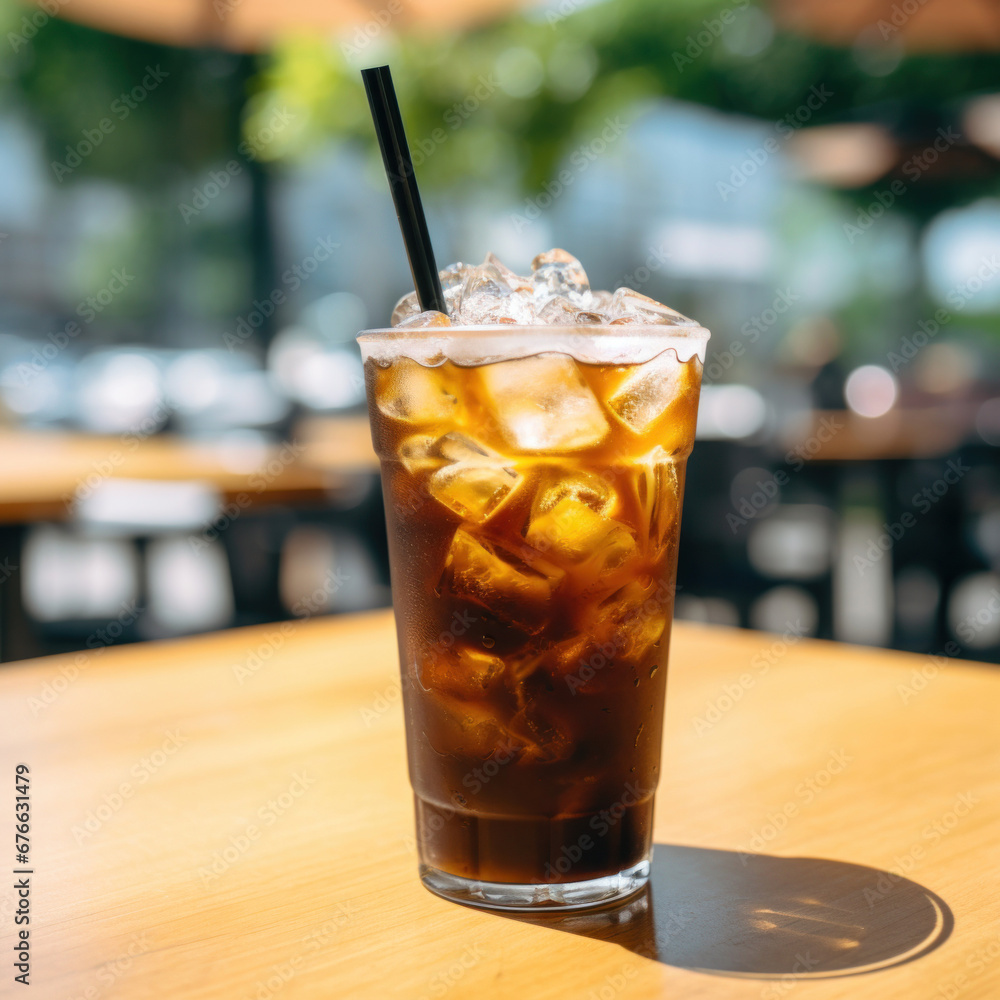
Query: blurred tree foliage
[(151, 118), (70, 77), (498, 106), (523, 91), (509, 98)]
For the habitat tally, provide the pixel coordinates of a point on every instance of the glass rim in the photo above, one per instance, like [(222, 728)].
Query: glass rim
[(694, 331), (480, 345)]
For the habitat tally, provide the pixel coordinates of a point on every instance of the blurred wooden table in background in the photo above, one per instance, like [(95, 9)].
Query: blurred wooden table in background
[(42, 471), (229, 816)]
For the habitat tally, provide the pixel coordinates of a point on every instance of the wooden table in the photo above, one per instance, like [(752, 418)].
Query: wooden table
[(229, 817), (44, 474), (43, 471)]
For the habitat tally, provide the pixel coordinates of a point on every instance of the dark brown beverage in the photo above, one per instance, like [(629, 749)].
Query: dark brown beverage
[(533, 508)]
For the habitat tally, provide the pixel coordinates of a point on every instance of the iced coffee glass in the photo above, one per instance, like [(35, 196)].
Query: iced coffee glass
[(533, 477)]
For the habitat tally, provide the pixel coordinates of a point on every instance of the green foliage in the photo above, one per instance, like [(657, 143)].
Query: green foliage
[(591, 63), (71, 78)]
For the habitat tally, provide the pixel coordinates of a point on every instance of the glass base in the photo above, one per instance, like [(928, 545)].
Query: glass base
[(557, 897)]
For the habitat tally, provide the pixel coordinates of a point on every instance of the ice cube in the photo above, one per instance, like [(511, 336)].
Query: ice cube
[(406, 307), (409, 391), (559, 311), (658, 489), (452, 279), (516, 587), (488, 298), (600, 301), (517, 282), (632, 619), (477, 479), (543, 404), (661, 389), (630, 306), (557, 272), (418, 453), (585, 487), (473, 491), (465, 672), (543, 740), (453, 276), (424, 319), (573, 533), (471, 728), (458, 447)]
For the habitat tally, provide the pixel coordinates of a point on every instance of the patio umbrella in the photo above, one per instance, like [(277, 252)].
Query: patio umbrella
[(252, 25), (918, 25)]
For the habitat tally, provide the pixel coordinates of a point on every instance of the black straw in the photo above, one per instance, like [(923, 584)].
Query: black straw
[(403, 185)]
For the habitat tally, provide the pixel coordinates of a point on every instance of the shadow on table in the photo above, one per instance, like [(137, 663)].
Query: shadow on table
[(759, 916)]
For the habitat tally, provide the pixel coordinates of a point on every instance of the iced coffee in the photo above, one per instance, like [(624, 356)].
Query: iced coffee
[(533, 444)]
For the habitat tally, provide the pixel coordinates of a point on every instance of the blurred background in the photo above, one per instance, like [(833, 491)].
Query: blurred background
[(194, 225)]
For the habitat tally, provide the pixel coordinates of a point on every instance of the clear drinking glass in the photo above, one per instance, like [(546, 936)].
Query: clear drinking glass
[(533, 479)]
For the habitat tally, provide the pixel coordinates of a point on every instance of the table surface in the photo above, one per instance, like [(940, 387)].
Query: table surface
[(42, 470), (229, 817)]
